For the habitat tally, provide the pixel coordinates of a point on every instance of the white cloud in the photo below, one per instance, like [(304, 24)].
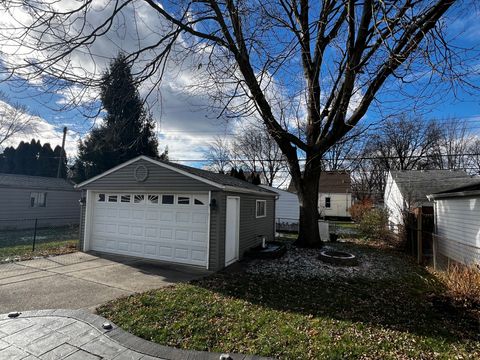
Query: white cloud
[(40, 129)]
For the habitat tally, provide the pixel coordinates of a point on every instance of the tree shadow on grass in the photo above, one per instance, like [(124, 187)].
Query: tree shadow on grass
[(411, 303)]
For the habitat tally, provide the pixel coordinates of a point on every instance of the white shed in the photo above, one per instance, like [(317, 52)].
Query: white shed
[(457, 223), (287, 209), (408, 189)]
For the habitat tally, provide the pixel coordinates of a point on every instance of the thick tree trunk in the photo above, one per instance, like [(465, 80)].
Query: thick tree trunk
[(307, 191)]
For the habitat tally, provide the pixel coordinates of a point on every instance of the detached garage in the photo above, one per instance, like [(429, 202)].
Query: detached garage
[(170, 212)]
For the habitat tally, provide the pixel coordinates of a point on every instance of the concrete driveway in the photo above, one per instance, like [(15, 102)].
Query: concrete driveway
[(82, 281)]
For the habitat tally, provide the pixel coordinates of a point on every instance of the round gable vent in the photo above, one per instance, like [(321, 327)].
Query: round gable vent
[(140, 173)]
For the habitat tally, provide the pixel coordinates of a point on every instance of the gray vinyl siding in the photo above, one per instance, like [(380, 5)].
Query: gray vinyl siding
[(458, 229), (159, 179), (216, 233), (250, 226), (62, 208)]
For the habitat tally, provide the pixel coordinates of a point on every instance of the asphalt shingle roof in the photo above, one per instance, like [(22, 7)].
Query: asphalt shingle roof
[(221, 179), (34, 182), (417, 184)]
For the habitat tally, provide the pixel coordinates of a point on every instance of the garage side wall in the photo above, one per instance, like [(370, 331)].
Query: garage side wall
[(158, 179), (250, 226)]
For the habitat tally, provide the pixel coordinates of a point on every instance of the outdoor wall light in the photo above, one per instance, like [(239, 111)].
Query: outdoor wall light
[(213, 204)]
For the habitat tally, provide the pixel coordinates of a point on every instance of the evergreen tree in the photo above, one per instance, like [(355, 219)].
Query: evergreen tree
[(127, 130), (33, 159)]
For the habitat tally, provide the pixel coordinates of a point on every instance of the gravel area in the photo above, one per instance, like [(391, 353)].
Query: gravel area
[(304, 263)]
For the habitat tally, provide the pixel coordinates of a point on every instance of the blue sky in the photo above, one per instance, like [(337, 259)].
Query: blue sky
[(186, 127)]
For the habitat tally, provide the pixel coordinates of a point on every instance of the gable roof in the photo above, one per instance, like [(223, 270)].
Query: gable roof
[(417, 184), (336, 181), (34, 182), (222, 181)]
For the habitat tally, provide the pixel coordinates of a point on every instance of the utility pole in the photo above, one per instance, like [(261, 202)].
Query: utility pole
[(61, 152)]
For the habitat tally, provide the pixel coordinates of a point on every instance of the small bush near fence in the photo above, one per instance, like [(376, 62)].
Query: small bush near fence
[(29, 238), (374, 224), (463, 284), (359, 209)]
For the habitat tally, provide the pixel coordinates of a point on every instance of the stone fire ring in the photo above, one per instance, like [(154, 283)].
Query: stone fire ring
[(336, 257)]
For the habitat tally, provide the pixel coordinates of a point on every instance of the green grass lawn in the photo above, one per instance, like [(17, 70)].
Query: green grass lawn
[(18, 244), (404, 315)]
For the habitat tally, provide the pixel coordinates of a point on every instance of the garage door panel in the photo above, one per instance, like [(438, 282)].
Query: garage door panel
[(151, 215), (182, 235), (123, 229), (151, 249), (124, 213), (123, 245), (199, 236), (151, 232), (136, 247), (182, 253), (166, 216), (199, 255), (137, 230), (199, 218), (173, 232)]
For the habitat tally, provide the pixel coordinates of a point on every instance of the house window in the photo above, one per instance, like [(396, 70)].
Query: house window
[(101, 198), (328, 202), (38, 199), (167, 199), (125, 198), (261, 208), (112, 198), (183, 200), (198, 202)]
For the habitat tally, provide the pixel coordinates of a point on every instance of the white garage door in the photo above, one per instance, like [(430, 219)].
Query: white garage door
[(169, 227)]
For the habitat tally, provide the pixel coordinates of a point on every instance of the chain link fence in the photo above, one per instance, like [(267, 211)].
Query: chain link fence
[(23, 239)]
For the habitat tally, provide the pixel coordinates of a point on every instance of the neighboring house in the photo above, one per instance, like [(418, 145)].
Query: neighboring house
[(406, 190), (52, 201), (334, 194), (171, 212), (457, 225), (287, 210)]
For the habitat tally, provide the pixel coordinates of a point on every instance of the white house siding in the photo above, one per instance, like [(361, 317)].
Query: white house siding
[(394, 203), (287, 208), (458, 229), (339, 204)]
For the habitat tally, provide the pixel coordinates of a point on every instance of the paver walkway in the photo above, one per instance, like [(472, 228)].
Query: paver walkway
[(79, 335)]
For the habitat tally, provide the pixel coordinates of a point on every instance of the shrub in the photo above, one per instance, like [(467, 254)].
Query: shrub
[(359, 209), (374, 224), (463, 284)]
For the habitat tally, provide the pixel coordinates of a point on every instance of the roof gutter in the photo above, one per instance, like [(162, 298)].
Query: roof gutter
[(453, 195)]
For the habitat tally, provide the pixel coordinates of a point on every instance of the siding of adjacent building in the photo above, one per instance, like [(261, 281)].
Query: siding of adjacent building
[(62, 208), (458, 229), (394, 203), (339, 204), (287, 209)]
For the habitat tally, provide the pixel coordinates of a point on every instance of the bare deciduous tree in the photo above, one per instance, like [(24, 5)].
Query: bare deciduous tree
[(14, 120), (330, 59), (450, 151), (219, 155), (259, 153), (404, 143)]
